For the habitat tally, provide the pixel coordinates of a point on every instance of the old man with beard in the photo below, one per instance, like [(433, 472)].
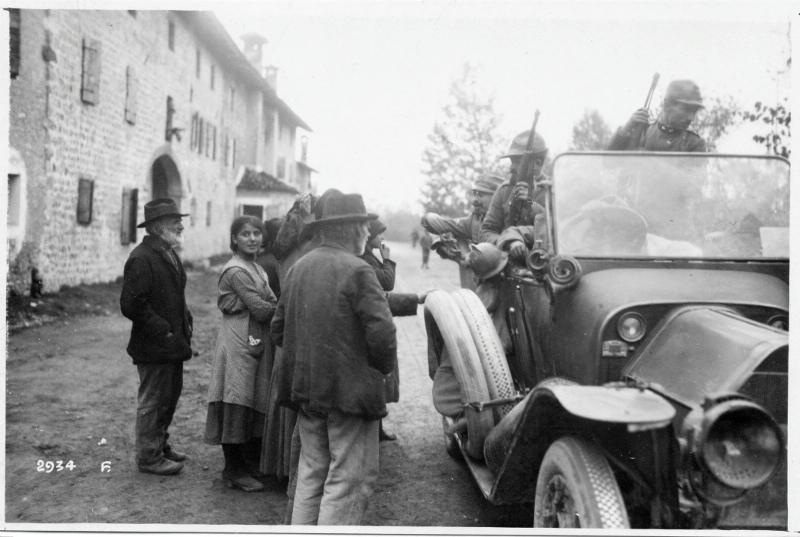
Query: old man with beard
[(153, 298)]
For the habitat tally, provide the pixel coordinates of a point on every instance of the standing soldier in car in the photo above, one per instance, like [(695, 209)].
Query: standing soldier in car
[(670, 131)]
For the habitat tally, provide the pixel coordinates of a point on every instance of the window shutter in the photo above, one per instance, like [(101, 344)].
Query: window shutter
[(194, 131), (130, 198), (131, 88), (90, 87), (13, 42)]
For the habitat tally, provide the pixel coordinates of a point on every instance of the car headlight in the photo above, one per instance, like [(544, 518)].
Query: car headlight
[(740, 444), (631, 327), (781, 322)]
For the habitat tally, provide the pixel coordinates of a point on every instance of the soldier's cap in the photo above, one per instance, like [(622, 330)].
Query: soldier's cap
[(486, 260), (488, 183), (684, 91), (376, 227), (520, 142)]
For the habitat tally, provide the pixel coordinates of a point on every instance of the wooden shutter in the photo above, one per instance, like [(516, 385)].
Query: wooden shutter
[(13, 42), (131, 89), (90, 83), (85, 201), (130, 201), (194, 132)]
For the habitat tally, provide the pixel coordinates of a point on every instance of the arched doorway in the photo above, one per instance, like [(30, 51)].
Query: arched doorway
[(165, 179)]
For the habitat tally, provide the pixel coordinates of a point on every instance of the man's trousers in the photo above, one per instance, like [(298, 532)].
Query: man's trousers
[(160, 387)]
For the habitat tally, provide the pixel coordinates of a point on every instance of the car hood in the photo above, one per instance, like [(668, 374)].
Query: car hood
[(700, 351)]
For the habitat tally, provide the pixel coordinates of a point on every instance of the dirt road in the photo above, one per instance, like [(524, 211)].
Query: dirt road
[(71, 399)]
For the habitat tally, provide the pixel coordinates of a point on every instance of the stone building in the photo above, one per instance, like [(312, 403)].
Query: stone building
[(110, 109)]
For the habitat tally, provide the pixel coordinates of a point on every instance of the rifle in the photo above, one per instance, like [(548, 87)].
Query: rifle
[(638, 133), (526, 168)]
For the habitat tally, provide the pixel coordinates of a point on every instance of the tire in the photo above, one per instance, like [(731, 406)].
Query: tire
[(490, 349), (450, 444), (467, 366), (577, 489)]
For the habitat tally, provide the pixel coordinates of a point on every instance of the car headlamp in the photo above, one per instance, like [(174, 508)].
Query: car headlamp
[(781, 322), (631, 327), (739, 444)]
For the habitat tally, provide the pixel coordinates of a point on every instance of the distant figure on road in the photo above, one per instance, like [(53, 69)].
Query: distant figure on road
[(153, 298), (670, 132), (336, 330), (425, 243), (243, 359), (414, 237)]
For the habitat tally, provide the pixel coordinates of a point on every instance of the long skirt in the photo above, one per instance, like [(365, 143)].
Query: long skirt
[(278, 427)]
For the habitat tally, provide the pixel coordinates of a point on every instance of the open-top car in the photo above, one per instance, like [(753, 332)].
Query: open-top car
[(634, 373)]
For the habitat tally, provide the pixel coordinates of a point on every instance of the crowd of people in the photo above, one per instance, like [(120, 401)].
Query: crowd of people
[(306, 405)]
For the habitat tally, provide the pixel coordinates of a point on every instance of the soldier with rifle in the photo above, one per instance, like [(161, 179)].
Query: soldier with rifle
[(518, 201), (670, 131)]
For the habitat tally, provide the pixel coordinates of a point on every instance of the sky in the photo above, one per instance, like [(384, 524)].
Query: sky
[(371, 77)]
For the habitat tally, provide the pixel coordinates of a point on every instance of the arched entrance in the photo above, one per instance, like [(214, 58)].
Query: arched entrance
[(165, 179)]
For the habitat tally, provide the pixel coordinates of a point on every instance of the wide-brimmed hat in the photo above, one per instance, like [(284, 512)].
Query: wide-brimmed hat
[(338, 208), (684, 91), (486, 260), (520, 143), (488, 183), (159, 208)]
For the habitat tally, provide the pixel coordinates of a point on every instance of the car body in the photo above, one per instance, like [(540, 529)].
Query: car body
[(647, 337)]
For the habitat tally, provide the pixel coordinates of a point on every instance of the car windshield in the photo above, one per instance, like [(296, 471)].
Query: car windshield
[(661, 205)]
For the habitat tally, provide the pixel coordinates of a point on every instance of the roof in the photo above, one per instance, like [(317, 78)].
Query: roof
[(220, 42), (261, 181)]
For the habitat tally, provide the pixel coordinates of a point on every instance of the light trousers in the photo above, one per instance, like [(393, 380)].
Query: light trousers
[(338, 468)]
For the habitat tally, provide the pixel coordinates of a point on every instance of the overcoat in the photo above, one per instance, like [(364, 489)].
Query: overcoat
[(153, 298), (338, 337)]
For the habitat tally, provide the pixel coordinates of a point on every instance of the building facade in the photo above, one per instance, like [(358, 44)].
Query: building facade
[(110, 109)]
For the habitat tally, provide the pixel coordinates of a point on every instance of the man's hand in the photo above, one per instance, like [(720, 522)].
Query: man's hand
[(384, 251), (518, 252), (640, 117), (520, 192), (422, 296)]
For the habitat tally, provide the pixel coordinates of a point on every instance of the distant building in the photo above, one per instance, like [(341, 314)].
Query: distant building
[(110, 109)]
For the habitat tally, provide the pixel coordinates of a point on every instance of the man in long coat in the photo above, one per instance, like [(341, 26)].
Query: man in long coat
[(153, 298), (338, 338)]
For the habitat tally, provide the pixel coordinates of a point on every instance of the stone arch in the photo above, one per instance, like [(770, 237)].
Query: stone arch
[(164, 177)]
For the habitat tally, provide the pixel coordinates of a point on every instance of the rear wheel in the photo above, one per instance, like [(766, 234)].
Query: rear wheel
[(577, 489)]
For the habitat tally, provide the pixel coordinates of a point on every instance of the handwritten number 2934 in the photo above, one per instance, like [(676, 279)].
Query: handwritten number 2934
[(54, 466)]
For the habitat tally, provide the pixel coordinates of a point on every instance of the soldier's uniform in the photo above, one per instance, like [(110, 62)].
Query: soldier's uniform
[(659, 135)]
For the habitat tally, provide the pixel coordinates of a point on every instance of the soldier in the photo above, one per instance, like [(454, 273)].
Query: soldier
[(515, 191), (670, 131), (467, 229)]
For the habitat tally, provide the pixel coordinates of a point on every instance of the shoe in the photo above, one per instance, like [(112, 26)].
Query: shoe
[(383, 436), (173, 455), (162, 467), (244, 482)]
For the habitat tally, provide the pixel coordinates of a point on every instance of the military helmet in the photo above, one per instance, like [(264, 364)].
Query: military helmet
[(488, 182), (520, 142), (486, 260), (684, 91)]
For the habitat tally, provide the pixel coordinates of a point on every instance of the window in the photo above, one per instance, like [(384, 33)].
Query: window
[(85, 195), (130, 201), (209, 136), (132, 13), (197, 63), (213, 74), (193, 212), (232, 97), (14, 200), (200, 133), (13, 42), (225, 143), (233, 153), (208, 214), (281, 171), (171, 35), (194, 133), (214, 145), (130, 95), (90, 81), (253, 210)]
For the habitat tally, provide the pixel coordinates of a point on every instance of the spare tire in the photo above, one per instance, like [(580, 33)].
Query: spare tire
[(490, 349), (467, 366)]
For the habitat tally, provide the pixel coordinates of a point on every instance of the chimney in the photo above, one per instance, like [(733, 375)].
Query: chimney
[(254, 49), (271, 74)]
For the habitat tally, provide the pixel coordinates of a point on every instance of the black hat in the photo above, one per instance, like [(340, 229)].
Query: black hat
[(338, 208), (158, 208)]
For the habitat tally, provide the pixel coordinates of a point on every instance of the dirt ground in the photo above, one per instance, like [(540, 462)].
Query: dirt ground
[(71, 397)]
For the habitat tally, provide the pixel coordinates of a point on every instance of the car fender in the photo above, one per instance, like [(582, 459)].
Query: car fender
[(556, 407)]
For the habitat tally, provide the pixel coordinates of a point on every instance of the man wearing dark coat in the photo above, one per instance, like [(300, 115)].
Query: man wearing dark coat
[(334, 324), (153, 298)]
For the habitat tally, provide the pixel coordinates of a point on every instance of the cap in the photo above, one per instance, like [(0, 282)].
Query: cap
[(488, 183), (520, 142), (684, 91), (486, 260)]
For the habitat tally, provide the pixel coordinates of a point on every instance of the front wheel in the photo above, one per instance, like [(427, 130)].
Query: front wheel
[(577, 489)]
